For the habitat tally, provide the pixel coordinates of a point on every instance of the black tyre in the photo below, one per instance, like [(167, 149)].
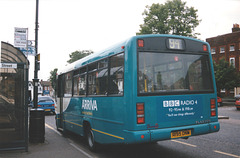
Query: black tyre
[(92, 145)]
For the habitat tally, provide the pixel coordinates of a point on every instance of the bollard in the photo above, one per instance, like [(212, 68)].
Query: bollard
[(37, 126)]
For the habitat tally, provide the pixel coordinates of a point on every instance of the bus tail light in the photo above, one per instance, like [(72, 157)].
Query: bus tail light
[(140, 43), (213, 107), (205, 48), (140, 113)]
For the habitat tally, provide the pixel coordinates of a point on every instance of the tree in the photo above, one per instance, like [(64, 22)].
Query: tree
[(226, 76), (53, 78), (173, 17), (74, 56)]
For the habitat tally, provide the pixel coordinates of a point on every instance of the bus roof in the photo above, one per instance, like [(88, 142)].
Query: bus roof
[(117, 48)]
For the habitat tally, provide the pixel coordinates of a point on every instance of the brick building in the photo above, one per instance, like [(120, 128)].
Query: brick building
[(227, 46)]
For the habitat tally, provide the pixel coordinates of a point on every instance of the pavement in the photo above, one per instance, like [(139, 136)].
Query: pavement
[(54, 146)]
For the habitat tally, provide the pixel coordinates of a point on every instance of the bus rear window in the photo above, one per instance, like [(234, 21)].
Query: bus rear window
[(173, 73)]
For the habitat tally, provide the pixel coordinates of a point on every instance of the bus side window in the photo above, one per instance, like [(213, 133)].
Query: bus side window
[(80, 82), (102, 77), (68, 85), (116, 78), (92, 83), (75, 86), (92, 71)]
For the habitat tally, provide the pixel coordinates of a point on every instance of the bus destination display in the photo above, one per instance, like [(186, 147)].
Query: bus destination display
[(175, 43)]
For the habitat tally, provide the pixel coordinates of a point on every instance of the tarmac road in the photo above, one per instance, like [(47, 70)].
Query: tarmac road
[(225, 143)]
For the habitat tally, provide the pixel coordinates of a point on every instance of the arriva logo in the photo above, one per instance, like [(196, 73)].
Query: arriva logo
[(89, 105)]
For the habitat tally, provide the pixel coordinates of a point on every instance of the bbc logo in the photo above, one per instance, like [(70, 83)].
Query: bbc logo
[(171, 103)]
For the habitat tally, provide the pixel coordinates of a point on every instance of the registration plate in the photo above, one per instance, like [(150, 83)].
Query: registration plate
[(178, 134), (47, 109)]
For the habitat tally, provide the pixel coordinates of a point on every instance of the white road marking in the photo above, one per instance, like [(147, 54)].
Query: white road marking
[(220, 152), (184, 143), (72, 144), (48, 126)]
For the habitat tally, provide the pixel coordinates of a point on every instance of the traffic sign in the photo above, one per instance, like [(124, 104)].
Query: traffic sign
[(30, 51)]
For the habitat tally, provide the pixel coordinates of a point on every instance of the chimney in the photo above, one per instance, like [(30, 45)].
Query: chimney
[(235, 28)]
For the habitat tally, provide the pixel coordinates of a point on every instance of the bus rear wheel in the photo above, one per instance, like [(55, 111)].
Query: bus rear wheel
[(92, 145)]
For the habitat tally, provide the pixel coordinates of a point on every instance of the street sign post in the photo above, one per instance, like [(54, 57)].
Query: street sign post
[(20, 37)]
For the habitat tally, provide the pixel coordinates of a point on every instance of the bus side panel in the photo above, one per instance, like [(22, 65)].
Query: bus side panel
[(108, 119), (62, 104), (104, 114), (72, 116)]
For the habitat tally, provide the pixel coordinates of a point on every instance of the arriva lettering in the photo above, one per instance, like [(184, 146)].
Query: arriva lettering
[(89, 105)]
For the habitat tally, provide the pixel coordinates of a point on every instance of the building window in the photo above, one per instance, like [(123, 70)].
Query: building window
[(231, 48), (222, 49), (213, 50), (232, 61)]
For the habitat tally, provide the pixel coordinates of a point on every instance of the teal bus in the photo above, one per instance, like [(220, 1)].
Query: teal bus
[(145, 89)]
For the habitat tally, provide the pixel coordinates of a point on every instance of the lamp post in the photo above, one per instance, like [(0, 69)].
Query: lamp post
[(37, 116), (35, 80)]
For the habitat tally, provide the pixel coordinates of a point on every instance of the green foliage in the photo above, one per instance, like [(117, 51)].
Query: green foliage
[(74, 56), (226, 76), (53, 79), (173, 17)]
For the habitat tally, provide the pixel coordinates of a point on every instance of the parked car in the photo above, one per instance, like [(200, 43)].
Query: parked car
[(46, 103), (219, 101), (237, 102)]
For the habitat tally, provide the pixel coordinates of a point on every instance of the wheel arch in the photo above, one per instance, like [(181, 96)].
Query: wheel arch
[(86, 127)]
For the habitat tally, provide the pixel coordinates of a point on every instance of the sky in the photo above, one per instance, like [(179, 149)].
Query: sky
[(69, 25)]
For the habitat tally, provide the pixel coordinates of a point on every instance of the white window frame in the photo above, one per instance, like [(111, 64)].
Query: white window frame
[(213, 50), (232, 48), (222, 49), (232, 61)]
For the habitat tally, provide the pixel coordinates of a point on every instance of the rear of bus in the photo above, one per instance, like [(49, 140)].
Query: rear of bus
[(175, 93)]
